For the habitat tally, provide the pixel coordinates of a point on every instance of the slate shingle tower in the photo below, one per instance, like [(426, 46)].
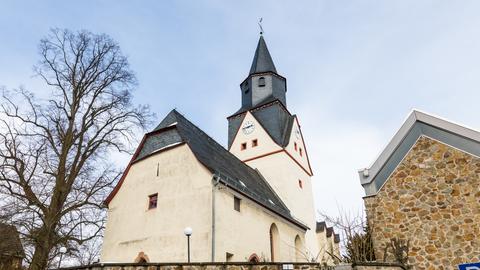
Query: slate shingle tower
[(263, 86), (267, 137)]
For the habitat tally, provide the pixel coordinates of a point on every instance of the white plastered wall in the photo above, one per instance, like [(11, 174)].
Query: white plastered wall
[(248, 232), (184, 199), (283, 172)]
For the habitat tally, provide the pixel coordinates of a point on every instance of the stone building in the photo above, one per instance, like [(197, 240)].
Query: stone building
[(11, 249), (250, 202), (425, 188)]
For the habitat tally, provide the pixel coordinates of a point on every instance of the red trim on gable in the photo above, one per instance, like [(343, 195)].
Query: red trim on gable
[(304, 146), (279, 151), (298, 163), (120, 182), (263, 155), (132, 161)]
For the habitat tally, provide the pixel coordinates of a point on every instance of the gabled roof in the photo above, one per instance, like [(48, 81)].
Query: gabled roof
[(10, 246), (262, 61), (175, 129), (417, 124), (274, 118)]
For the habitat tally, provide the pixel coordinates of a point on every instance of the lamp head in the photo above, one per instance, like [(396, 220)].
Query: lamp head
[(188, 231)]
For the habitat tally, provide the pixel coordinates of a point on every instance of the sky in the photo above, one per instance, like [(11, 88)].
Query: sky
[(354, 69)]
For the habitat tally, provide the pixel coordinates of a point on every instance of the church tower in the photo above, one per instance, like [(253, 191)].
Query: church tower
[(267, 137)]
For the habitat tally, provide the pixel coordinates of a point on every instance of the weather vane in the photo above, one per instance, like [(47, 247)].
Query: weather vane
[(260, 25)]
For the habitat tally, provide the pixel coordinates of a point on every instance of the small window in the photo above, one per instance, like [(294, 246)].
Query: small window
[(243, 146), (300, 150), (236, 203), (261, 81), (300, 183), (254, 143), (229, 256), (295, 146), (152, 201), (247, 90)]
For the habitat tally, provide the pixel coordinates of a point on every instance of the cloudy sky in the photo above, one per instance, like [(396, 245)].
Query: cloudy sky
[(355, 69)]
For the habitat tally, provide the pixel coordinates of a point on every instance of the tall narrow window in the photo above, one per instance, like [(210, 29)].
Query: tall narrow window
[(236, 203), (261, 81), (158, 169), (243, 146), (300, 183), (152, 201), (254, 143), (295, 146), (300, 150)]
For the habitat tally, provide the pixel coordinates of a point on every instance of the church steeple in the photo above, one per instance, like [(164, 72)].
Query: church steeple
[(262, 61), (263, 83)]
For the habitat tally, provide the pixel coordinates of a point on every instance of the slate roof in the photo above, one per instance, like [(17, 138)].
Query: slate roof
[(417, 124), (274, 118), (10, 245), (336, 238), (321, 226), (262, 61), (227, 168)]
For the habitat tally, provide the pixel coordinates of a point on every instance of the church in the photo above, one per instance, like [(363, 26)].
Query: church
[(251, 201)]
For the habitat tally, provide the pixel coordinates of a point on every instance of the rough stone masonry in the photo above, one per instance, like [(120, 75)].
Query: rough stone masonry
[(433, 200)]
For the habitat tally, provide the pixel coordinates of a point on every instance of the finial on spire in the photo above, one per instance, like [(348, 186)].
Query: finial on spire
[(260, 25)]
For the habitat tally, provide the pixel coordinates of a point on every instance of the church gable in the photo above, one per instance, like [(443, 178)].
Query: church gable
[(296, 147), (252, 140), (176, 130)]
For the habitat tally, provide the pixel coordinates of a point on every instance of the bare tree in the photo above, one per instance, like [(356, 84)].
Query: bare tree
[(54, 168), (356, 236)]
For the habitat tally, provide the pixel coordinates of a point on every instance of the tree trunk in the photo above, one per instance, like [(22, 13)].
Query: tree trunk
[(40, 256)]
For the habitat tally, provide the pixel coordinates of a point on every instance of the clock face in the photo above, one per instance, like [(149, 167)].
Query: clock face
[(248, 127), (297, 133)]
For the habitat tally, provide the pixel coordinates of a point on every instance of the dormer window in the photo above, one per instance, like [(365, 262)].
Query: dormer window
[(261, 81)]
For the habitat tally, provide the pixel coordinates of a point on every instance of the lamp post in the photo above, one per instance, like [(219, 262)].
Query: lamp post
[(188, 233), (62, 251)]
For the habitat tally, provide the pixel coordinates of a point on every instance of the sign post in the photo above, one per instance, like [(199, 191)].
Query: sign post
[(469, 266)]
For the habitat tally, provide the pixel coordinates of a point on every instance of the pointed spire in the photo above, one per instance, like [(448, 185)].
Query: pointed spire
[(262, 61)]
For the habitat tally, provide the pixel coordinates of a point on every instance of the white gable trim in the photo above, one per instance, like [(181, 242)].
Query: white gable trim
[(368, 175)]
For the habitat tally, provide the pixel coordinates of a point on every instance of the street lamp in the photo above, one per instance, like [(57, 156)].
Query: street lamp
[(188, 233), (62, 251)]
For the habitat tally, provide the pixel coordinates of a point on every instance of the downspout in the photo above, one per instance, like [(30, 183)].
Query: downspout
[(215, 181)]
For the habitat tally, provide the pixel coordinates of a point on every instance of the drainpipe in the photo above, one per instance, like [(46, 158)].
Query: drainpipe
[(215, 180)]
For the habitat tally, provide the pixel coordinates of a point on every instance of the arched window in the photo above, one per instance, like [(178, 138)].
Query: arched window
[(141, 258), (274, 243), (298, 249), (261, 81), (254, 258)]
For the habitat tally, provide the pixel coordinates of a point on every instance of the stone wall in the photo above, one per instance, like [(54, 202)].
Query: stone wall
[(202, 266), (433, 200), (235, 266)]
